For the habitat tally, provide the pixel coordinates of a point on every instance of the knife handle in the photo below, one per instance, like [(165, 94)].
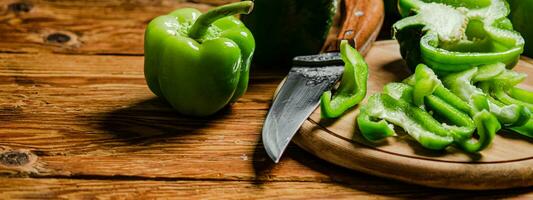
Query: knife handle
[(359, 22)]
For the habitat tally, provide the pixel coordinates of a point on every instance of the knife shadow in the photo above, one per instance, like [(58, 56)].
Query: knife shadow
[(262, 164)]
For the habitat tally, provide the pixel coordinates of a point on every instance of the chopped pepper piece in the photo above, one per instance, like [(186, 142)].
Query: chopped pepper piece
[(415, 121), (352, 88), (462, 84), (397, 105), (503, 91), (452, 36)]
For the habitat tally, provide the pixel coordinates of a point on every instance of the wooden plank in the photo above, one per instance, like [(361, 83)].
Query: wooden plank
[(96, 27), (94, 115), (21, 188)]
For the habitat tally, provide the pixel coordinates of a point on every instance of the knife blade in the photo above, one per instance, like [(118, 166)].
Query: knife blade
[(298, 97)]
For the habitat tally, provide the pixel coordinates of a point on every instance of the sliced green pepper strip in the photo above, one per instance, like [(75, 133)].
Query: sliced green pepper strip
[(415, 121), (487, 127), (452, 99), (439, 90), (502, 83), (352, 89), (466, 126), (374, 130), (521, 94), (452, 36), (426, 82), (406, 114), (526, 130), (462, 85), (505, 83)]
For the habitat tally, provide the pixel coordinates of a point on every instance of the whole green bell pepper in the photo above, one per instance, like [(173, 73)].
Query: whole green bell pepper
[(199, 62), (452, 36), (521, 15), (352, 88)]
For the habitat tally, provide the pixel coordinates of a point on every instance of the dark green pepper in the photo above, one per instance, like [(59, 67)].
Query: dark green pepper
[(288, 28), (352, 88), (451, 36), (521, 14), (199, 62)]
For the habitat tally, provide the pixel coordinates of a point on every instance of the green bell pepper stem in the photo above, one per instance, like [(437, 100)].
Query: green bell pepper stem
[(352, 89), (200, 26)]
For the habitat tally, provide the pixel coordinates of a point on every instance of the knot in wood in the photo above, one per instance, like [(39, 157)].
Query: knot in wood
[(20, 7), (14, 158), (58, 38)]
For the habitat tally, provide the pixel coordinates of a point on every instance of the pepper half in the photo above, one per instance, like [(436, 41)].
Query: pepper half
[(352, 88), (452, 36), (199, 62)]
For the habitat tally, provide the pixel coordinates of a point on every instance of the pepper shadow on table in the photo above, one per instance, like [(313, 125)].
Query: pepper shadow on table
[(152, 121)]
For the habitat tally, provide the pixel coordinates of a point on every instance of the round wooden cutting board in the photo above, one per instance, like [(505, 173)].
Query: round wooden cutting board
[(507, 163)]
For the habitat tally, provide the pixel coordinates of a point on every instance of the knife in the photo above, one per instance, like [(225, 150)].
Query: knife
[(298, 97)]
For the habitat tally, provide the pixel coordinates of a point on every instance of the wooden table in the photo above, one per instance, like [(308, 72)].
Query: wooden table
[(78, 121)]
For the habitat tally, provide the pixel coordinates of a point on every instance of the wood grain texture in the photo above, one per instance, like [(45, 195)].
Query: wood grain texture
[(19, 188), (79, 27), (84, 124), (94, 115), (97, 131), (508, 162)]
